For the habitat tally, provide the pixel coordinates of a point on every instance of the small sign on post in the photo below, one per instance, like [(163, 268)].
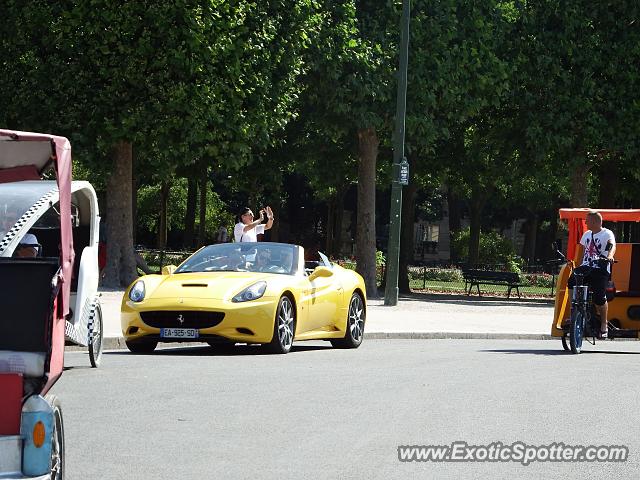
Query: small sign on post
[(403, 172)]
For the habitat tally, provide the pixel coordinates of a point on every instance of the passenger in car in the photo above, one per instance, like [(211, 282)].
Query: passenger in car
[(263, 260)]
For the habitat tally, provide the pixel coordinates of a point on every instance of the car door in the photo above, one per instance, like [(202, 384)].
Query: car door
[(324, 294)]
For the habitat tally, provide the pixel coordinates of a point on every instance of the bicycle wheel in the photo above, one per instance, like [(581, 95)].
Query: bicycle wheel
[(57, 440), (577, 330), (96, 337), (565, 342)]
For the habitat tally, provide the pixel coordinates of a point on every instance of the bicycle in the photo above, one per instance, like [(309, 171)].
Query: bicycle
[(584, 322)]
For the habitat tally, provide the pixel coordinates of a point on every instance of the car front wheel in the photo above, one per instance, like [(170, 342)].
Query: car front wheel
[(284, 327)]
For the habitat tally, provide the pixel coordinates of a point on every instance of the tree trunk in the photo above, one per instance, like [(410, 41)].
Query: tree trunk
[(331, 223), (407, 235), (274, 233), (162, 221), (608, 183), (478, 199), (336, 247), (530, 234), (579, 178), (366, 226), (634, 233), (120, 270), (203, 209), (134, 203), (190, 216), (454, 221)]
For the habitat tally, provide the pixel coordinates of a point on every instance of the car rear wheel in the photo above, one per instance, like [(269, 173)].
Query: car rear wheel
[(141, 347), (284, 327), (354, 333)]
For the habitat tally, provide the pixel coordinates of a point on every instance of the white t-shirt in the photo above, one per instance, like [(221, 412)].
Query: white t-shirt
[(593, 249), (248, 236)]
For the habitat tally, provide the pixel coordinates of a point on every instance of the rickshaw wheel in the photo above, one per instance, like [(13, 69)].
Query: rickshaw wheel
[(97, 336), (565, 344), (57, 439)]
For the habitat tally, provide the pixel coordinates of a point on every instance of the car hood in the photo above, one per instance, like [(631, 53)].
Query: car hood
[(214, 285)]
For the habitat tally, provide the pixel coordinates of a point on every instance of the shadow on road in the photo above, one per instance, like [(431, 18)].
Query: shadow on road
[(557, 352), (220, 351)]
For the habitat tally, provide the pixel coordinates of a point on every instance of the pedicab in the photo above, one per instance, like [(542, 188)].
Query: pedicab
[(36, 297), (30, 217), (575, 318)]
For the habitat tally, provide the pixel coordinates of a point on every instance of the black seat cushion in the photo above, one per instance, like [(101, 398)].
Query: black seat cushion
[(25, 300)]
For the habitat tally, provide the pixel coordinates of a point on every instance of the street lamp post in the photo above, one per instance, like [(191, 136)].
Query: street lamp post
[(400, 165)]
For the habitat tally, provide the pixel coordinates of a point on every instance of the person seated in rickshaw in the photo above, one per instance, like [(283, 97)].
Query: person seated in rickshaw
[(28, 247), (595, 241)]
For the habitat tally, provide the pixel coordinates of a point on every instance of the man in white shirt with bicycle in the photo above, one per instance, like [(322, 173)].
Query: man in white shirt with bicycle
[(599, 244)]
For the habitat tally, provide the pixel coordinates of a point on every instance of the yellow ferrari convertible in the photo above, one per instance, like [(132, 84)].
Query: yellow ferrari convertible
[(231, 293)]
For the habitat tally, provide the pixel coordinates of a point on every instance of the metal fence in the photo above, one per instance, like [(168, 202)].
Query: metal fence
[(451, 280)]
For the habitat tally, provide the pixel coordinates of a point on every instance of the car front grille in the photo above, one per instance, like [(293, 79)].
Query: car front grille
[(182, 319)]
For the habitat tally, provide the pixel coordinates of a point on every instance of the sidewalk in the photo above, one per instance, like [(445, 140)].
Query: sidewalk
[(417, 316)]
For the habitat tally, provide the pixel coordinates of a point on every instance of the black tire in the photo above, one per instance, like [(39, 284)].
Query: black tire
[(565, 343), (354, 332), (577, 331), (96, 337), (142, 346), (284, 327), (57, 439)]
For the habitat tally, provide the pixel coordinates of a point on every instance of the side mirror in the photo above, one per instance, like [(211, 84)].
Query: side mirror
[(168, 269), (320, 272)]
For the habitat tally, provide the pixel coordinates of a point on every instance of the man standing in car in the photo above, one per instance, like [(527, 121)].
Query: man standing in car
[(247, 230)]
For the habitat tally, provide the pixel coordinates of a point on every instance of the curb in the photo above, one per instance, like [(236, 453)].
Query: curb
[(117, 343)]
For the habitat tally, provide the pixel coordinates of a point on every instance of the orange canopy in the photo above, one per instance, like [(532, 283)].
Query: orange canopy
[(608, 215), (577, 225)]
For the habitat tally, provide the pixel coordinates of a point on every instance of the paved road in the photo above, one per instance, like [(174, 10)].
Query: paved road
[(323, 413)]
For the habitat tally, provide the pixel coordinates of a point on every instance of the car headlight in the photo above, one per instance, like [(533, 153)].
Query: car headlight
[(252, 292), (136, 293)]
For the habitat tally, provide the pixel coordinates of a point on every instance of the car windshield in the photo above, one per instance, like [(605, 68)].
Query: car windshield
[(262, 257), (18, 197)]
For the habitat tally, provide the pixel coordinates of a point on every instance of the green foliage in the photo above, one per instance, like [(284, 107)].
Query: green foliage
[(217, 213), (505, 98), (494, 249)]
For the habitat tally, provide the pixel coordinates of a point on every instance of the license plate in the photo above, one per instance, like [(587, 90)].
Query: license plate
[(179, 333)]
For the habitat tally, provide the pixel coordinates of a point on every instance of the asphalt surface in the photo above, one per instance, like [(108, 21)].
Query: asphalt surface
[(323, 413)]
